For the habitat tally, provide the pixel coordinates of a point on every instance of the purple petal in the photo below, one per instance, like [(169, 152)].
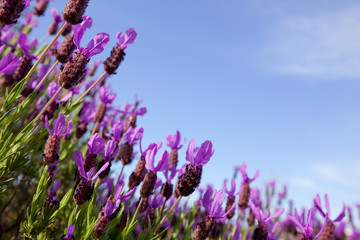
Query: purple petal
[(341, 215), (141, 111), (9, 63), (205, 201), (79, 160), (296, 223), (52, 89), (255, 210), (22, 43), (66, 97), (67, 129), (118, 188), (79, 30), (317, 203), (100, 171), (59, 124), (275, 215), (96, 144), (163, 158), (47, 125), (109, 207), (110, 148), (158, 201), (150, 157), (96, 45), (327, 206), (70, 231), (205, 152), (216, 202), (190, 151), (127, 195)]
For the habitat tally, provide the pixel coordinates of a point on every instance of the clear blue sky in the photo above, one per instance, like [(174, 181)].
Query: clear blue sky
[(273, 83)]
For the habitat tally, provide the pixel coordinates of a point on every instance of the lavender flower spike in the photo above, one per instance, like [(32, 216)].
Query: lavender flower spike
[(85, 187), (52, 146), (173, 141), (306, 229), (105, 96)]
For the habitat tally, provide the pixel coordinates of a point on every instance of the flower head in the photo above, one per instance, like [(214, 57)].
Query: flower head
[(199, 155), (70, 232), (111, 150), (212, 201), (173, 141), (112, 205), (150, 158), (245, 177), (317, 203), (233, 187), (134, 134), (96, 45), (306, 228), (261, 216), (56, 16), (79, 160), (105, 96), (127, 39), (58, 126)]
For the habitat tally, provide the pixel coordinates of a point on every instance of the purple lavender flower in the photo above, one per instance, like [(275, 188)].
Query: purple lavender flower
[(117, 130), (127, 39), (317, 203), (69, 233), (58, 126), (211, 201), (306, 228), (245, 190), (85, 187), (150, 178), (25, 46), (263, 220), (173, 141), (105, 96), (111, 209), (231, 197), (199, 156)]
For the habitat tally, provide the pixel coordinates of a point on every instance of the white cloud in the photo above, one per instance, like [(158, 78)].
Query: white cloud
[(325, 44)]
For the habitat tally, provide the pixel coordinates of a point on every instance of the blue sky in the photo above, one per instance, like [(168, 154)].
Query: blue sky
[(272, 83)]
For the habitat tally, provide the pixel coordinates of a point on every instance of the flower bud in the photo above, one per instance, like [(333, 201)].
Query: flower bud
[(73, 71), (51, 151), (113, 61), (148, 184), (203, 229), (74, 11)]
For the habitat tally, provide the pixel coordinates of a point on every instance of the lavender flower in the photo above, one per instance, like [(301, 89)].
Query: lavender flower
[(231, 197), (75, 68), (245, 191), (306, 228), (52, 146), (211, 201), (197, 157), (167, 187), (85, 187), (117, 53), (132, 135), (173, 141), (9, 63)]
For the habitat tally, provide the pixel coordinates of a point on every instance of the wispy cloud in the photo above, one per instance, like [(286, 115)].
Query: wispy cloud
[(324, 44)]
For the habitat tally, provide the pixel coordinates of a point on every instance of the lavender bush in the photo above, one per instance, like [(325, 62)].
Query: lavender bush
[(60, 136)]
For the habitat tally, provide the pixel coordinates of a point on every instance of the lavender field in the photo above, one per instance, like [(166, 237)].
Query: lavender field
[(91, 139)]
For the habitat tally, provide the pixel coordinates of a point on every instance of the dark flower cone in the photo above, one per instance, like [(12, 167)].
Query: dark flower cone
[(216, 231), (67, 30), (83, 191), (100, 112), (116, 57), (176, 191), (106, 172), (229, 203), (74, 11), (138, 175), (203, 229), (329, 232), (81, 128), (66, 48), (50, 175), (123, 221), (6, 80), (190, 180), (148, 184), (73, 71), (101, 226), (144, 205), (150, 215), (92, 71), (251, 218), (127, 153), (63, 237), (260, 232), (23, 69), (131, 122), (173, 158), (53, 28), (90, 162), (51, 151), (40, 7), (244, 196), (51, 203), (25, 93), (50, 111), (166, 190), (10, 10)]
